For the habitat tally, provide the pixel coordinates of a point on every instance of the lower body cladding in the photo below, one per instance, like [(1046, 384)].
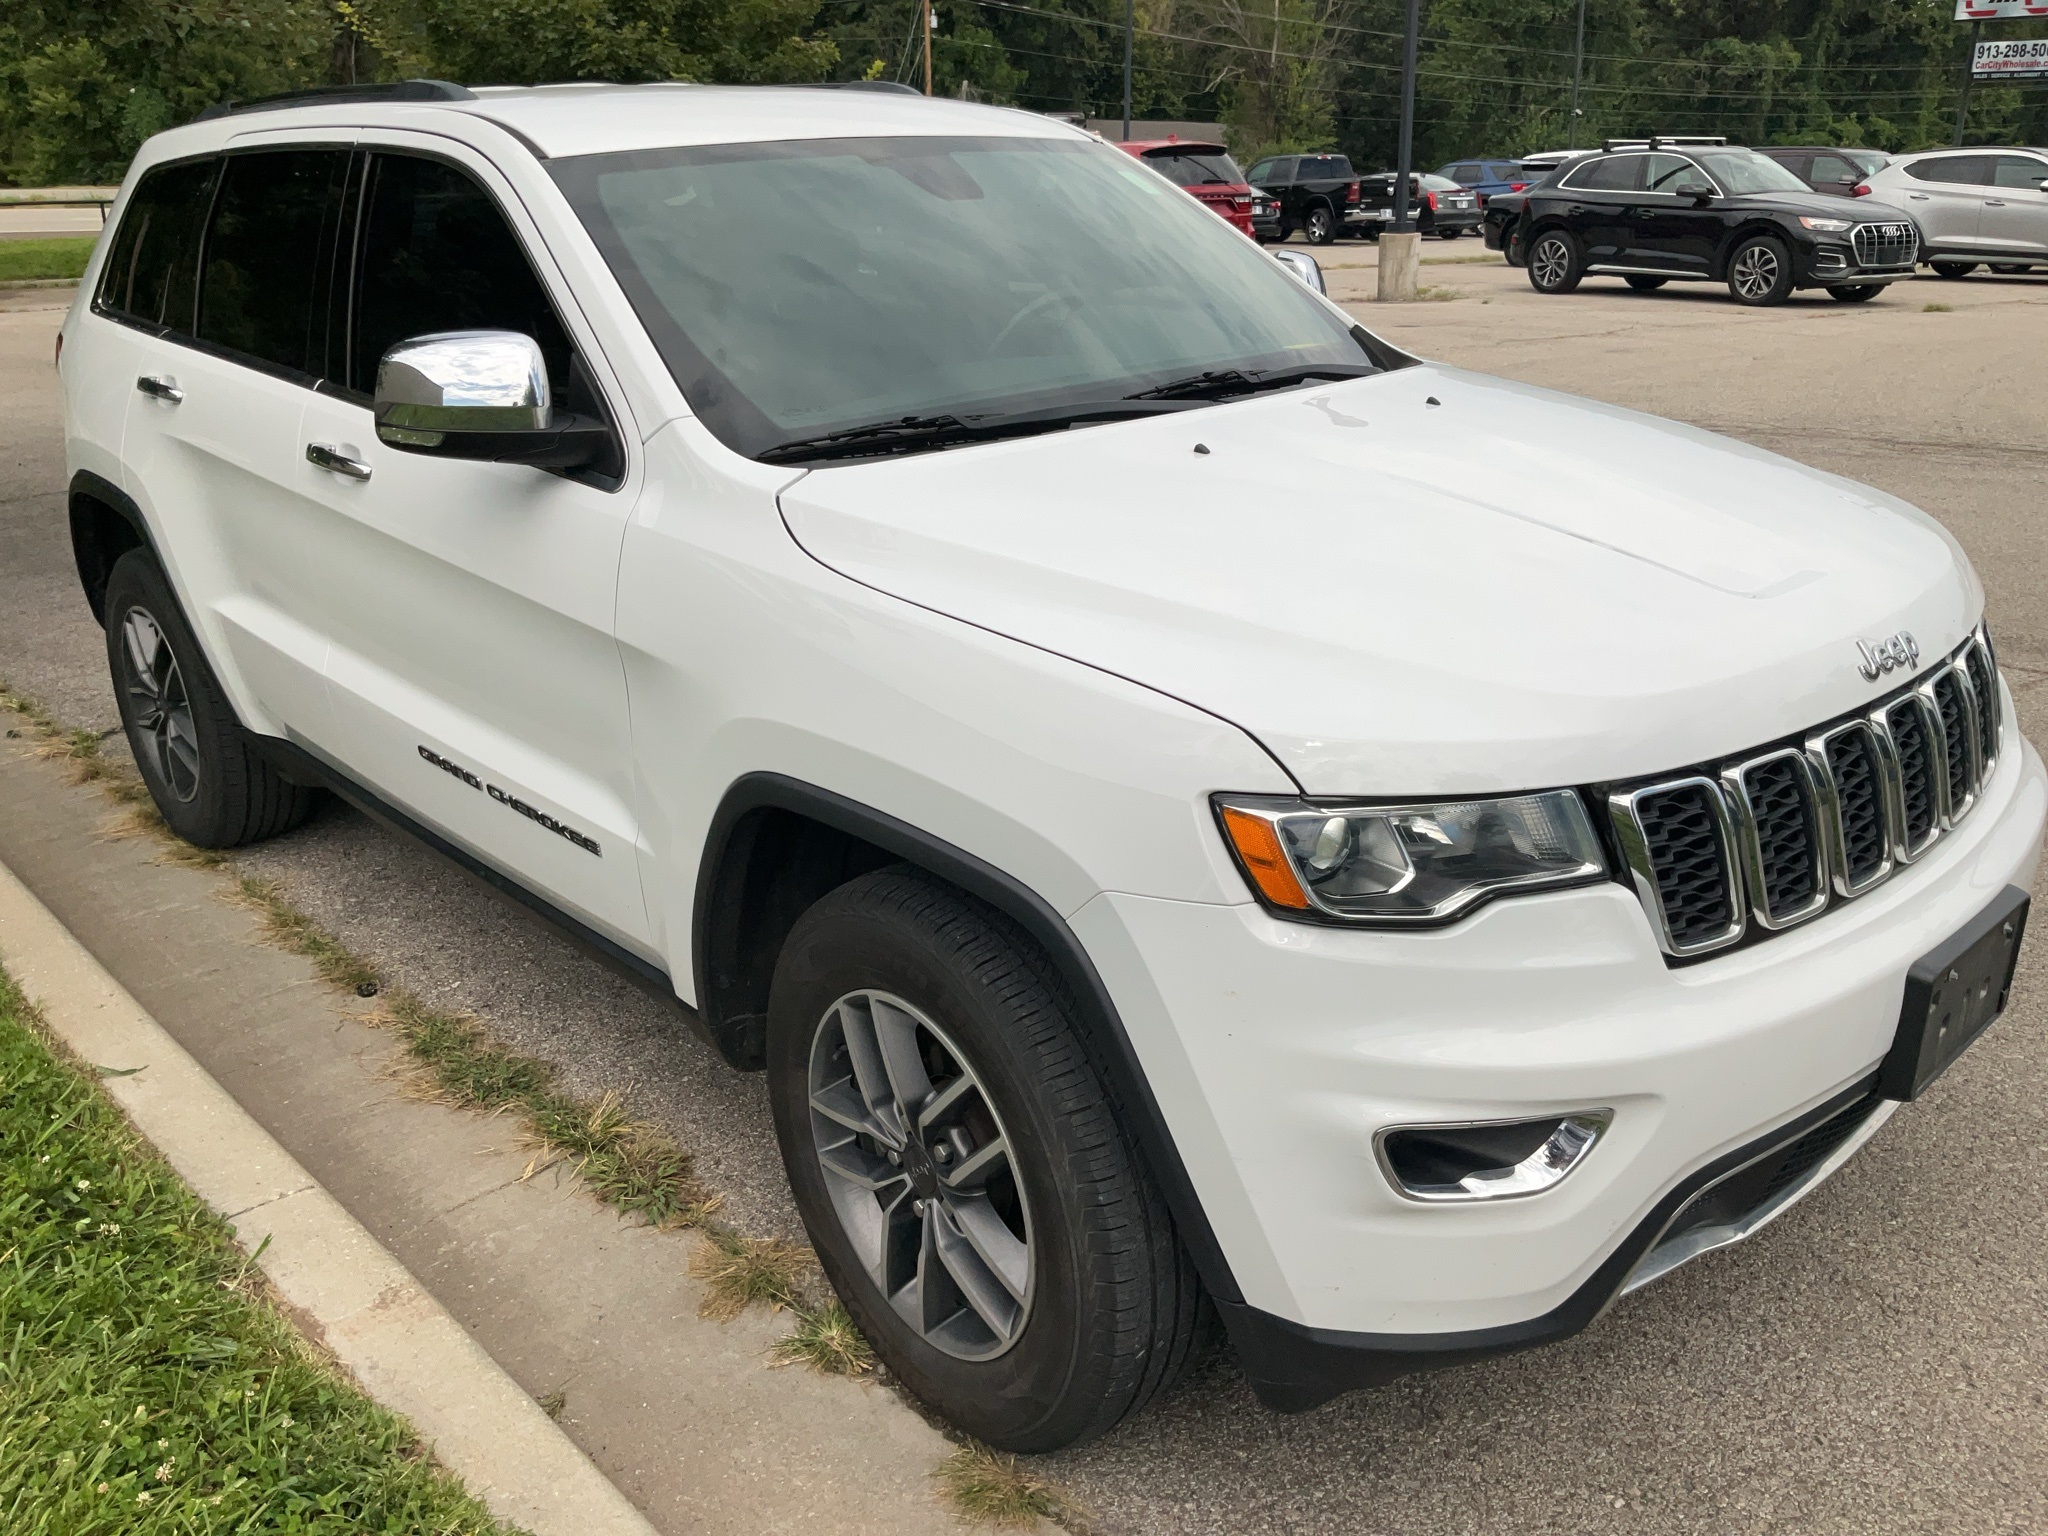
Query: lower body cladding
[(1720, 1092)]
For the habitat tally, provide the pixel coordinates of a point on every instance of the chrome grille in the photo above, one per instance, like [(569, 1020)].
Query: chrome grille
[(1774, 838), (1885, 245)]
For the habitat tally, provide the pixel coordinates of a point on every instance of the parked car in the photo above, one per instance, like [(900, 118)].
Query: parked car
[(1486, 179), (1265, 217), (813, 573), (1207, 172), (1317, 194), (1439, 207), (1973, 206), (1826, 168), (1709, 213), (1501, 224)]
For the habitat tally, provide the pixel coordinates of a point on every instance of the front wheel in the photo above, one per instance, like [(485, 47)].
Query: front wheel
[(1855, 293), (1760, 272), (1953, 268), (1642, 284), (209, 784), (1321, 226), (962, 1172), (1555, 262)]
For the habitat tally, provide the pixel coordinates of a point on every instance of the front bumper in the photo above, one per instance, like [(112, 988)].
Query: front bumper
[(1277, 1050)]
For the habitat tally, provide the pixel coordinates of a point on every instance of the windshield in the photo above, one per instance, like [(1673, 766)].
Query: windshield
[(1743, 171), (1188, 170), (796, 289)]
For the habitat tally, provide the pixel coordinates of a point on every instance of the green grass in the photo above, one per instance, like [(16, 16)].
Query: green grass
[(147, 1386), (60, 256), (990, 1488)]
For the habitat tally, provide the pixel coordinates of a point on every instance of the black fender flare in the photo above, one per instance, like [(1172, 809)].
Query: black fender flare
[(1102, 1027), (86, 491)]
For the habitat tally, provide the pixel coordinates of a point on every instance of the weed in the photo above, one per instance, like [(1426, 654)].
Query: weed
[(739, 1271), (826, 1340), (554, 1403), (291, 929), (1937, 309), (1436, 295), (993, 1489)]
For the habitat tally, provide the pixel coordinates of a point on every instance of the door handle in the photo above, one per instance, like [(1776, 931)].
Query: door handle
[(1994, 202), (327, 456), (160, 386), (1918, 197)]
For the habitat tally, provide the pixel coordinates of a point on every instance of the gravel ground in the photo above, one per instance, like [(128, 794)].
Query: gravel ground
[(1875, 1361)]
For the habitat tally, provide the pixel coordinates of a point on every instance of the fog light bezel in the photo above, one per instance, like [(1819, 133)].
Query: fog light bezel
[(1538, 1173)]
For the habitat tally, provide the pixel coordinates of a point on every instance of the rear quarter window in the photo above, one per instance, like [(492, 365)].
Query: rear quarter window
[(152, 271)]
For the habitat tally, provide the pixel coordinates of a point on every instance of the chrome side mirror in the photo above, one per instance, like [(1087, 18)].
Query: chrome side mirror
[(479, 395), (1304, 268)]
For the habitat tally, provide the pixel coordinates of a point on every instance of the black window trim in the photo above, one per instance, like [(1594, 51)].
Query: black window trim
[(105, 311)]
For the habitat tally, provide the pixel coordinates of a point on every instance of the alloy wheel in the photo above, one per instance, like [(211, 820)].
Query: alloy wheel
[(1549, 262), (921, 1174), (1756, 271), (158, 705)]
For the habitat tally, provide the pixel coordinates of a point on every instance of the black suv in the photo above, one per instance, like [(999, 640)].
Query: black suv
[(1317, 194), (1657, 210)]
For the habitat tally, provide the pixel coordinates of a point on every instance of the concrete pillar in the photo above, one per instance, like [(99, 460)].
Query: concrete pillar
[(1400, 262)]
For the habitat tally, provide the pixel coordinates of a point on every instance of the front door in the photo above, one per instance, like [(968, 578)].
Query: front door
[(1673, 233), (2015, 220), (472, 668)]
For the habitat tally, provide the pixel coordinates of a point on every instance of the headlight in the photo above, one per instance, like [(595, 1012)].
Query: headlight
[(1827, 226), (1409, 863)]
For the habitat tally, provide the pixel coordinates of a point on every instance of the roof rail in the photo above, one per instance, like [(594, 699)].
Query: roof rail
[(1666, 140), (337, 95)]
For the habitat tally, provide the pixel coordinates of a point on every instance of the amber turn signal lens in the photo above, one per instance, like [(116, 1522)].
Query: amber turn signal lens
[(1257, 842)]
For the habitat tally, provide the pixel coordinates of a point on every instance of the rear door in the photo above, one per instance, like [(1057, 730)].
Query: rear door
[(211, 439), (1945, 194), (1600, 207), (472, 668), (2015, 220), (1669, 232)]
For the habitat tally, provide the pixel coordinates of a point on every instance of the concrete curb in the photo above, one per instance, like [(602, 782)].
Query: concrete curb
[(400, 1343)]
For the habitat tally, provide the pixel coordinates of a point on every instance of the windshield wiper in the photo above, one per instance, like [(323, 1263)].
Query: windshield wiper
[(1221, 383), (910, 434)]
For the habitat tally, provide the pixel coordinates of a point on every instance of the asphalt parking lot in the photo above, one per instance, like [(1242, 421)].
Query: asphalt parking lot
[(1876, 1361)]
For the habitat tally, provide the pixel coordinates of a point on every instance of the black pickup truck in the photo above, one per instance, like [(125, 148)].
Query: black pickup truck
[(1317, 194)]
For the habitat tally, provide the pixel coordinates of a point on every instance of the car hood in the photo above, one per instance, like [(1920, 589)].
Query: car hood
[(1422, 582), (1823, 205)]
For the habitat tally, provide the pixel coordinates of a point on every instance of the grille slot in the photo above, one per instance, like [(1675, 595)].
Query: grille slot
[(1782, 833), (1986, 683), (1884, 245), (1853, 763), (1685, 834), (1917, 791)]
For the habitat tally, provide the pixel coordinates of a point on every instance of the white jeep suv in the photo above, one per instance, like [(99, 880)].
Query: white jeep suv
[(905, 582)]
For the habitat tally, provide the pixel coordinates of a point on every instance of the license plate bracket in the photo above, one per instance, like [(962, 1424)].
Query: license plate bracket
[(1953, 992)]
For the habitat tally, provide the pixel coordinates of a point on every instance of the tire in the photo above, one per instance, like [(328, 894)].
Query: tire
[(1511, 251), (1643, 284), (197, 762), (1110, 1310), (1556, 263), (1760, 272), (1449, 234), (2007, 269), (1320, 226), (1855, 293), (1953, 268)]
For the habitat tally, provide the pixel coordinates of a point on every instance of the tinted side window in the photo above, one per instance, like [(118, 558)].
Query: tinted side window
[(152, 271), (437, 255), (1956, 170), (1830, 170), (1616, 173), (1466, 174), (2019, 171), (264, 289), (1263, 171)]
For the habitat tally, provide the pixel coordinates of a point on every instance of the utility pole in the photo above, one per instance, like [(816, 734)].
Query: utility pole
[(1130, 31), (1399, 250), (1578, 68), (1969, 80), (927, 4)]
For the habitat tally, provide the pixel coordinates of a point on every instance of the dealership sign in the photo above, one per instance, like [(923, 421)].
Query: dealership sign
[(1999, 10), (2011, 61)]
